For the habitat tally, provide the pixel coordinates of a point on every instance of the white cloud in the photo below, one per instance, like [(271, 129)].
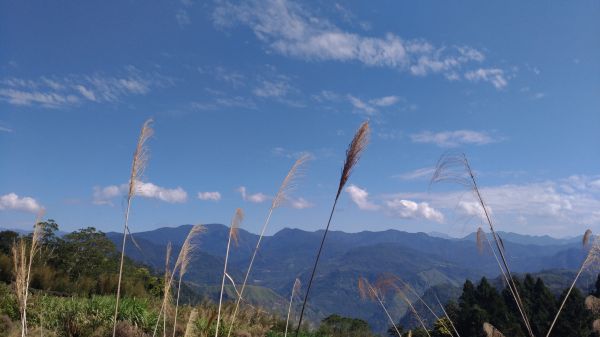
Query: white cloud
[(291, 29), (255, 198), (360, 197), (493, 75), (565, 205), (12, 201), (412, 210), (360, 105), (421, 173), (183, 18), (214, 196), (472, 208), (6, 129), (73, 90), (271, 89), (370, 107), (149, 190), (225, 102), (385, 101), (394, 206), (104, 195), (300, 203), (86, 93), (453, 138), (283, 152), (44, 99)]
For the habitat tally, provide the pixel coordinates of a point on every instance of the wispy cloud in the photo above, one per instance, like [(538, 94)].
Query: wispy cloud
[(495, 76), (409, 209), (558, 204), (267, 88), (456, 138), (291, 29), (221, 100), (285, 153), (212, 196), (72, 90), (12, 201), (105, 195), (420, 173), (182, 17), (255, 198), (370, 106), (6, 129), (299, 203), (394, 206), (360, 197)]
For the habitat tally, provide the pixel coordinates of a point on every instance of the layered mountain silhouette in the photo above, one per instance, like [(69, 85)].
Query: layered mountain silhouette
[(432, 265)]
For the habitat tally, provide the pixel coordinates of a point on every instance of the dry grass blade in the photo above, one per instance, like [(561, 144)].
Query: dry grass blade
[(456, 168), (447, 316), (188, 249), (19, 256), (411, 307), (233, 235), (168, 278), (167, 287), (235, 225), (296, 288), (183, 260), (389, 280), (237, 293), (295, 293), (368, 292), (289, 183), (33, 250), (586, 237), (189, 329), (596, 326), (138, 165), (363, 289), (592, 303), (480, 240), (353, 153), (592, 257), (491, 331), (140, 158)]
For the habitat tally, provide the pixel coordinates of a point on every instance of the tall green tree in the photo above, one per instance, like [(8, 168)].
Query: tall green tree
[(575, 320)]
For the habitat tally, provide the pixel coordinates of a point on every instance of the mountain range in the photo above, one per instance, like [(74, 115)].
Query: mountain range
[(432, 265)]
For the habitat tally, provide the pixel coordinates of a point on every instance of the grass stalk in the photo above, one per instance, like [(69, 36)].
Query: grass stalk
[(286, 186), (447, 316), (140, 159), (444, 171), (183, 261), (414, 292), (295, 292), (593, 255), (353, 154), (367, 291), (189, 329), (233, 236)]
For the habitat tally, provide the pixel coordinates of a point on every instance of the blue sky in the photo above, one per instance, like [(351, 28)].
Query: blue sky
[(238, 90)]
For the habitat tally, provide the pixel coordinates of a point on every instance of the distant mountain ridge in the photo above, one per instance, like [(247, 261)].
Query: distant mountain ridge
[(430, 263), (422, 260), (531, 239)]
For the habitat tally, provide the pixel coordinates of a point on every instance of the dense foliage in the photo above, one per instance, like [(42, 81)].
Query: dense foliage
[(484, 303), (83, 262)]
